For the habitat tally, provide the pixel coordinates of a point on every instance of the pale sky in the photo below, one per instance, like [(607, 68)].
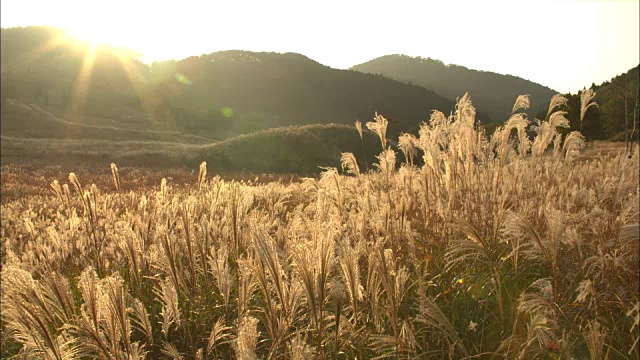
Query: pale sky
[(564, 45)]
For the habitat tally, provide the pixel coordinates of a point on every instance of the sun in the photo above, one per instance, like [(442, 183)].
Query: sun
[(94, 35), (95, 43), (144, 48)]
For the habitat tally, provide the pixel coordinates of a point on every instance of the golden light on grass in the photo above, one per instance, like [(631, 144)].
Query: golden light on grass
[(116, 176), (489, 247)]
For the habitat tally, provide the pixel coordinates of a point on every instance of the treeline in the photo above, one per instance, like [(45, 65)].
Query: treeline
[(614, 114), (616, 100)]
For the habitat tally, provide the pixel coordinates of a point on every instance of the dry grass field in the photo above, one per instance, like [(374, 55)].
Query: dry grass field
[(23, 179), (497, 247)]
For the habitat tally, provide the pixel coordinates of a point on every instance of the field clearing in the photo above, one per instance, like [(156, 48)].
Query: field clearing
[(294, 149), (496, 247), (22, 179)]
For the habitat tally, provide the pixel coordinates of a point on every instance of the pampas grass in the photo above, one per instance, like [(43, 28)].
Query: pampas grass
[(507, 246), (586, 97), (202, 174), (116, 176), (349, 164), (379, 127)]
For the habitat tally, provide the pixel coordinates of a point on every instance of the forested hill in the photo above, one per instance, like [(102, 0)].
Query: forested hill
[(491, 92), (215, 96), (607, 121), (269, 89)]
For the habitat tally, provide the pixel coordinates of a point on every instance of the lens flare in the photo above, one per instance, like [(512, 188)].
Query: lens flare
[(182, 79), (227, 112)]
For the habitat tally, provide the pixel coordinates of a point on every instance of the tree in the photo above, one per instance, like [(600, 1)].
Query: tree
[(625, 92), (636, 112)]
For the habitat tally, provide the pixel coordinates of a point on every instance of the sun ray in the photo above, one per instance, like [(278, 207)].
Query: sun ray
[(137, 82), (75, 107), (60, 39)]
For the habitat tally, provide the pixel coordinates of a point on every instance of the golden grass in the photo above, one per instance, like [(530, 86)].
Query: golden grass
[(494, 248)]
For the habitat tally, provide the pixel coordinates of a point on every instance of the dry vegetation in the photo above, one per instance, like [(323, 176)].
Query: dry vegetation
[(23, 179), (494, 248)]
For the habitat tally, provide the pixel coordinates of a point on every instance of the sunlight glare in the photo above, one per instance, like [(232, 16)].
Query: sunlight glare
[(176, 30), (94, 35)]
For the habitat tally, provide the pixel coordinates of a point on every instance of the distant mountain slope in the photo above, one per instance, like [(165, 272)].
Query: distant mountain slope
[(215, 96), (490, 92), (266, 90), (35, 121)]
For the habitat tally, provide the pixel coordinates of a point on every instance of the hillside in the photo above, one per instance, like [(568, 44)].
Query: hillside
[(295, 149), (611, 97), (491, 92), (607, 120), (38, 121), (236, 92), (213, 96)]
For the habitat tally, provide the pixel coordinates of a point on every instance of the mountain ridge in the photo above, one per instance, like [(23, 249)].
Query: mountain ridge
[(210, 101), (492, 92), (217, 95)]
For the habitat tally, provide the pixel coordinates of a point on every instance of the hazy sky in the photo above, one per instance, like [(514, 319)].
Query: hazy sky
[(561, 44)]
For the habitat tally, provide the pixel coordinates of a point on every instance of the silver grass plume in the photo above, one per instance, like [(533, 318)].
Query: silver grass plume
[(573, 143), (379, 126), (219, 335), (116, 177), (56, 189), (167, 295), (387, 162), (140, 319), (558, 119), (556, 101), (247, 339), (171, 351), (337, 290), (73, 179), (350, 272), (219, 267), (163, 187), (202, 174), (349, 164), (586, 292), (31, 311), (66, 192), (585, 102), (364, 153), (557, 141), (520, 123), (407, 144), (547, 132), (247, 284), (465, 112), (522, 102), (438, 118), (300, 350)]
